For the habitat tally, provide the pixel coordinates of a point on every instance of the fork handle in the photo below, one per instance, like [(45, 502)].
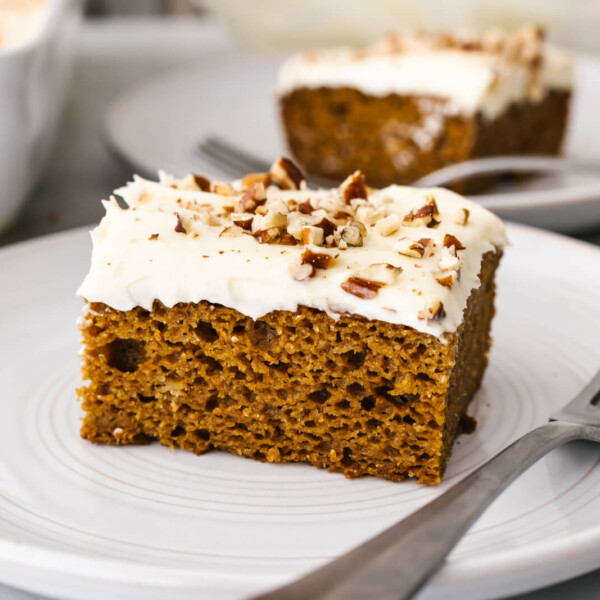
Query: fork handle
[(396, 563)]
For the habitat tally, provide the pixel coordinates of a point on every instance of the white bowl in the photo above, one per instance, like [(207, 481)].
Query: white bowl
[(33, 81)]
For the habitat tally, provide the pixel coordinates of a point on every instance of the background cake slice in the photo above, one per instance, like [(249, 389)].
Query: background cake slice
[(345, 328), (414, 103)]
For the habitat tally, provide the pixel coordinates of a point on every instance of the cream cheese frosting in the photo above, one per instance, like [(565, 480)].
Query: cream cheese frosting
[(474, 74), (402, 255)]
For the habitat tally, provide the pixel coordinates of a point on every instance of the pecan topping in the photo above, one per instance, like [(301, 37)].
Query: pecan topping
[(286, 174), (447, 279), (222, 188), (306, 208), (352, 187), (426, 216), (271, 218), (380, 273), (448, 259), (410, 248), (342, 214), (312, 235), (326, 225), (288, 240), (252, 198), (388, 225), (351, 235), (232, 231), (463, 216), (450, 240), (266, 236), (154, 236), (362, 288), (319, 260), (302, 271), (243, 220), (179, 228), (202, 182), (432, 312), (252, 179)]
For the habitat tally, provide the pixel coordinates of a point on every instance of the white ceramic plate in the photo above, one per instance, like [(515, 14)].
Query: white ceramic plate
[(160, 124), (83, 521)]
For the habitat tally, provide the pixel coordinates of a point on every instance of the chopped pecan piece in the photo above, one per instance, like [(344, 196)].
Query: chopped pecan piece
[(296, 222), (286, 174), (361, 226), (270, 220), (432, 312), (202, 182), (306, 208), (327, 226), (450, 240), (463, 216), (312, 235), (342, 214), (362, 288), (179, 227), (288, 240), (266, 236), (448, 260), (447, 279), (154, 236), (222, 188), (426, 216), (319, 260), (408, 247), (232, 231), (352, 187), (252, 179), (388, 225), (352, 235), (369, 215), (380, 273), (243, 220), (302, 271), (255, 196)]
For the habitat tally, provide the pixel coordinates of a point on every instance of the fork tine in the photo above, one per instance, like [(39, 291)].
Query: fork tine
[(229, 157), (222, 160), (254, 164)]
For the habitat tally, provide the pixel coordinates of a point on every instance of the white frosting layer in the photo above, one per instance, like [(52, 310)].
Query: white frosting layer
[(20, 21), (472, 81), (133, 266)]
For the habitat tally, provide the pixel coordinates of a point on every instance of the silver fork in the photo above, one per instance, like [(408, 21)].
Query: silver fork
[(395, 564), (237, 162)]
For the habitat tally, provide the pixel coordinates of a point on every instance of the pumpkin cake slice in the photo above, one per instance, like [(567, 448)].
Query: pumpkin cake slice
[(413, 103), (345, 328)]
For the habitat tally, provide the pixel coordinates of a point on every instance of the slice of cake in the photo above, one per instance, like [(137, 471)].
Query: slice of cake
[(345, 328), (415, 103)]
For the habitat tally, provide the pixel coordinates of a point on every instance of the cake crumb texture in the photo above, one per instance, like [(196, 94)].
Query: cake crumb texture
[(401, 138), (352, 395)]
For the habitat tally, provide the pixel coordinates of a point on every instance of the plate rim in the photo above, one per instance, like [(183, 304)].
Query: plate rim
[(194, 72)]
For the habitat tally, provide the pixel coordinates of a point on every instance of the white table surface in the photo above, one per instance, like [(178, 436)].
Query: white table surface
[(114, 56)]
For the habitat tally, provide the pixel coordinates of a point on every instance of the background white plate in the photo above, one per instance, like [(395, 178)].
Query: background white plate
[(160, 124), (84, 521)]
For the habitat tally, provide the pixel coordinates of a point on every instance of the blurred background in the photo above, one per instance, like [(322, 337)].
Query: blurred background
[(62, 166), (295, 24)]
